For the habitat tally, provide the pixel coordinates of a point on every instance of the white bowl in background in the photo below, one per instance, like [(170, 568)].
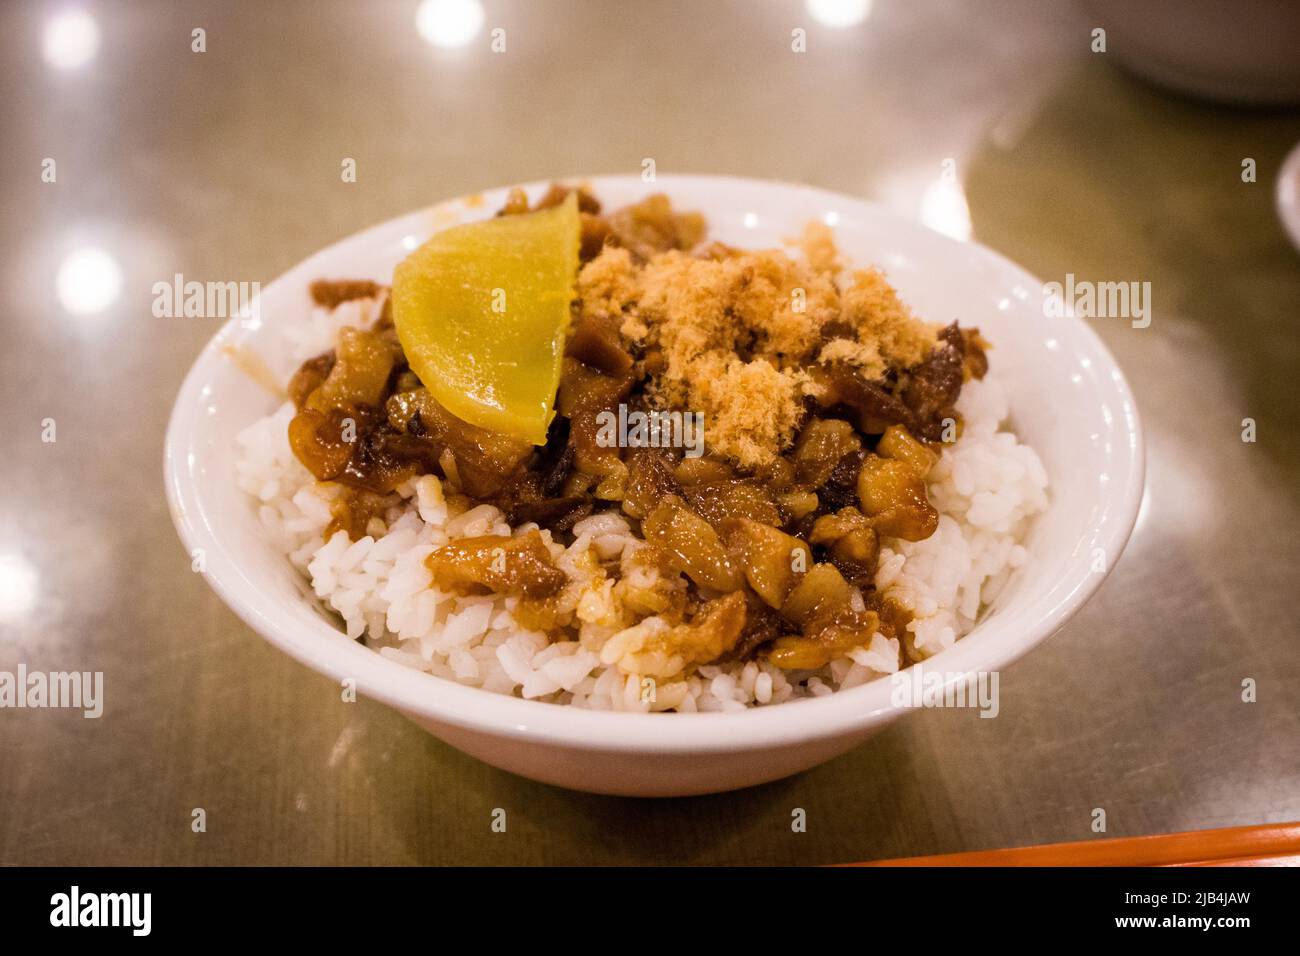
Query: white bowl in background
[(1068, 399), (1246, 52), (1288, 195)]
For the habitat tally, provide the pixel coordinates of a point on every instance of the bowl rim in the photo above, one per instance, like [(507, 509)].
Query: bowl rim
[(840, 714), (1287, 195)]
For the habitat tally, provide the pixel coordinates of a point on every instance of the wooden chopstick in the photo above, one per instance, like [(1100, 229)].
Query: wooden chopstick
[(1270, 844)]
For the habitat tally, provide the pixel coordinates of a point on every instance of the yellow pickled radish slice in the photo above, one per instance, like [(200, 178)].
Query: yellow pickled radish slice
[(482, 311)]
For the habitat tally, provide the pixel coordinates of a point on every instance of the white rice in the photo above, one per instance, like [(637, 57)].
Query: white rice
[(987, 487)]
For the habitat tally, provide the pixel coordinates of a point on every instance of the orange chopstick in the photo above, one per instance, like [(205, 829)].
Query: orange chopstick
[(1270, 844)]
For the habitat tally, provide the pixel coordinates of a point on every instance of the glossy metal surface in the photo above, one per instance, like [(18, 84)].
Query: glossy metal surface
[(225, 165)]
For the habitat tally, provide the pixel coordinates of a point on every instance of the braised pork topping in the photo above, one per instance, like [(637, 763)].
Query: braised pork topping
[(826, 404)]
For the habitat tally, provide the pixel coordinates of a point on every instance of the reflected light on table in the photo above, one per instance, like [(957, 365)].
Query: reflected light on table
[(944, 209), (89, 281), (19, 587), (838, 13), (449, 23), (71, 40), (1178, 492)]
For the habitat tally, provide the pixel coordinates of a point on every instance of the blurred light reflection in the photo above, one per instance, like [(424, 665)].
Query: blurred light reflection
[(944, 209), (71, 40), (19, 587), (449, 23), (838, 13), (89, 281)]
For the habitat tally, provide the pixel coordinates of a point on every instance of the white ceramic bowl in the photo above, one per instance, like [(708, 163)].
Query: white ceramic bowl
[(1069, 400), (1288, 195), (1242, 52)]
